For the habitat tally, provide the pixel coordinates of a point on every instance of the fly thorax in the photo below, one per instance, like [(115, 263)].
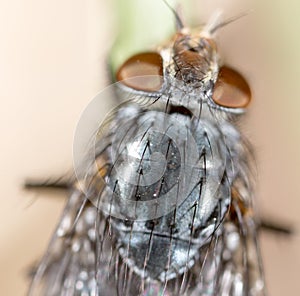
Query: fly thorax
[(168, 190)]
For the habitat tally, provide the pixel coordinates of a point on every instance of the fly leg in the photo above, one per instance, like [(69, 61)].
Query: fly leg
[(49, 184), (275, 227)]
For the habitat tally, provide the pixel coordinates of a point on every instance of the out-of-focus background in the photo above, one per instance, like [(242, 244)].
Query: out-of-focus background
[(53, 62)]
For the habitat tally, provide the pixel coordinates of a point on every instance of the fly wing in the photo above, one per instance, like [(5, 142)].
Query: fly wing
[(80, 259), (241, 268), (68, 267), (231, 264), (241, 271), (248, 256)]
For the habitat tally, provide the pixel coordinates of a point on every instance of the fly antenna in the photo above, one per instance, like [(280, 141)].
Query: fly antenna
[(179, 24), (215, 25)]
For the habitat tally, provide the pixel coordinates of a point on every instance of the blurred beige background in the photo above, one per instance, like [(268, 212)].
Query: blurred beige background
[(52, 63)]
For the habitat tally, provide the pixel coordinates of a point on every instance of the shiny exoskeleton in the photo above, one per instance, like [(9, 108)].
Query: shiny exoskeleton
[(165, 205)]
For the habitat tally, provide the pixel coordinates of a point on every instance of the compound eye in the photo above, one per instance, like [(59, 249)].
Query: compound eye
[(143, 72), (231, 90)]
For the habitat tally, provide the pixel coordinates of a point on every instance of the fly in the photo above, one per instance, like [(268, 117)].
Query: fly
[(163, 202)]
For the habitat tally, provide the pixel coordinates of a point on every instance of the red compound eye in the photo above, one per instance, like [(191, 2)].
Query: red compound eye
[(231, 90), (143, 71)]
